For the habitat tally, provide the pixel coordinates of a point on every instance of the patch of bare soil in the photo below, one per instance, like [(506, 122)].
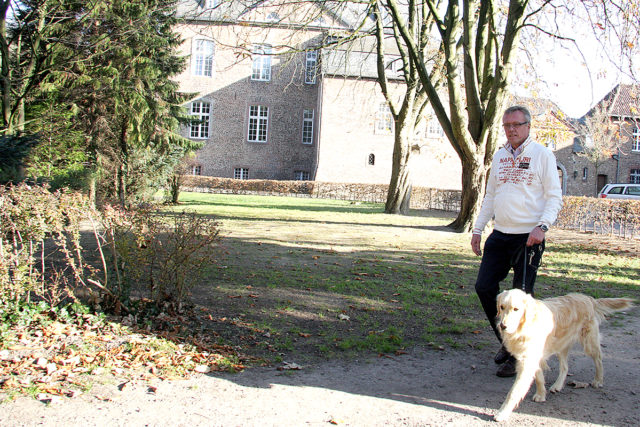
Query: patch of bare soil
[(422, 387)]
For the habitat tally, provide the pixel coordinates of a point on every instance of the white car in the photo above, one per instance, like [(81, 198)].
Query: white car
[(620, 191)]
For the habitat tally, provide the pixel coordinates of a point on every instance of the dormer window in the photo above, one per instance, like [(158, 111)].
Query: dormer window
[(273, 17)]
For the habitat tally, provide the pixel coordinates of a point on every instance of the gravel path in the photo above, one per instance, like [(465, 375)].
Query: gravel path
[(421, 388)]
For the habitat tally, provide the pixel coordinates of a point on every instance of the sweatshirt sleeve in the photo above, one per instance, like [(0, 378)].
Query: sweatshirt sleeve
[(552, 190), (486, 211)]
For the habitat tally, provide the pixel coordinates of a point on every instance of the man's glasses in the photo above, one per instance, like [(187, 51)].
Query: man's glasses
[(508, 126)]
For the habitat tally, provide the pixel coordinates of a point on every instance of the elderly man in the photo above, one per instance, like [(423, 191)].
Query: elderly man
[(523, 196)]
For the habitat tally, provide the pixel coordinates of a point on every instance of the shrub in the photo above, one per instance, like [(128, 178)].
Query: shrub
[(604, 215), (162, 255), (40, 248)]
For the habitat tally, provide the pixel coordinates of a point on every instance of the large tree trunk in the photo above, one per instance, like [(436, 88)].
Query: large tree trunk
[(399, 193), (474, 178)]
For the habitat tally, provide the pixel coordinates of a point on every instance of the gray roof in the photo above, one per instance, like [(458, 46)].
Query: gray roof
[(348, 15)]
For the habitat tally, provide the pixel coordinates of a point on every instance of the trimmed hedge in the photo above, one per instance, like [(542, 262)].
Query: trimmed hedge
[(421, 197), (605, 216)]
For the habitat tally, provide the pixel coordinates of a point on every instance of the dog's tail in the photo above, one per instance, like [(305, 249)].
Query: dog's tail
[(606, 306)]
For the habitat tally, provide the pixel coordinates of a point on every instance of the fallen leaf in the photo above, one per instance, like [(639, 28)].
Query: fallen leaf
[(343, 317), (203, 369)]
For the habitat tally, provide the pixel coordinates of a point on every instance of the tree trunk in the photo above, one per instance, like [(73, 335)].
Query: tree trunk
[(399, 193), (474, 179)]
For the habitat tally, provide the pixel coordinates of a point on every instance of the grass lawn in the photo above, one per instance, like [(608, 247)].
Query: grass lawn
[(301, 279)]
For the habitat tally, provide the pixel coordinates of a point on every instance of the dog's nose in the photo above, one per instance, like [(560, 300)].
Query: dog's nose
[(503, 326)]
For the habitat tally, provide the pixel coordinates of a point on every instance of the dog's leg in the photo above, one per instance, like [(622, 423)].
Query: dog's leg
[(541, 392), (563, 370), (591, 346), (526, 371)]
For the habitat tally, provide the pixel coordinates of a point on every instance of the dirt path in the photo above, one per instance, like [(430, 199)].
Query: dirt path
[(424, 387)]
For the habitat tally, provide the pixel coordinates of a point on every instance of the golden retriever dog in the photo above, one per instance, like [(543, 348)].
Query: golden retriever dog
[(534, 330)]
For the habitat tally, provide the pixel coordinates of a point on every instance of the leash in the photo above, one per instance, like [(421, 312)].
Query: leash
[(524, 270)]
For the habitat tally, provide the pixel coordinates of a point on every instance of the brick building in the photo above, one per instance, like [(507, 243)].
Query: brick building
[(267, 111), (271, 103)]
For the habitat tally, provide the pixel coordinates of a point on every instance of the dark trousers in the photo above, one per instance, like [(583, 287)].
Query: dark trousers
[(501, 253)]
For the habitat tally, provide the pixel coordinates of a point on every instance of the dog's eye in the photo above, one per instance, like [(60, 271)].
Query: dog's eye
[(502, 307), (515, 309)]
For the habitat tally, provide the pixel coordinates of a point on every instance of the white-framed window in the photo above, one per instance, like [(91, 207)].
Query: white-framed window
[(201, 111), (210, 4), (311, 67), (261, 68), (273, 17), (258, 123), (434, 130), (307, 127), (634, 176), (384, 120), (301, 175), (371, 161), (585, 174), (196, 170), (635, 143), (202, 57), (241, 173)]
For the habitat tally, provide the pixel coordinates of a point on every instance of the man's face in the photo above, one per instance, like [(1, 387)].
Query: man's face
[(515, 128)]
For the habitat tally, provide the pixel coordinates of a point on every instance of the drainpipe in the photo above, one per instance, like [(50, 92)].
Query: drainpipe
[(616, 157)]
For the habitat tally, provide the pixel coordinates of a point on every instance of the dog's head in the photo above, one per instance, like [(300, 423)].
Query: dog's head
[(512, 310)]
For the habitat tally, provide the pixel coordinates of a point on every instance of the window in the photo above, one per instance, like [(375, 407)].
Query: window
[(261, 63), (273, 17), (199, 127), (311, 66), (372, 159), (635, 144), (196, 170), (307, 127), (241, 173), (258, 123), (202, 62), (434, 130), (585, 173), (634, 176), (301, 175), (210, 4), (384, 120)]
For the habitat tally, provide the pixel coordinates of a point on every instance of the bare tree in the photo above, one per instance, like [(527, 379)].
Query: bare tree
[(407, 109), (601, 136)]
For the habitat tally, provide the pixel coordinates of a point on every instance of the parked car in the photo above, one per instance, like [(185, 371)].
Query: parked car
[(620, 191)]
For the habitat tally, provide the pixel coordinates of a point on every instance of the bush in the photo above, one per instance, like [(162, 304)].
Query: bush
[(40, 248), (604, 215), (163, 255), (41, 253)]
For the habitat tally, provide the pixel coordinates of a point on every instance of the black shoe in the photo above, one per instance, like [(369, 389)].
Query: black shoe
[(501, 356), (507, 369)]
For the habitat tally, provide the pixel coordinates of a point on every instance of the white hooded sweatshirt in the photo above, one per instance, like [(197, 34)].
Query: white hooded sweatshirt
[(522, 192)]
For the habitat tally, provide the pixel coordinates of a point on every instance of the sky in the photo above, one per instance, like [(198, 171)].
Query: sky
[(574, 74)]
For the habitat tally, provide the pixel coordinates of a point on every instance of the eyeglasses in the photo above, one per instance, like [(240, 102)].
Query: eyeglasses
[(508, 126)]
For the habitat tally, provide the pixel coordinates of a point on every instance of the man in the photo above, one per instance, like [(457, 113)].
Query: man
[(523, 196)]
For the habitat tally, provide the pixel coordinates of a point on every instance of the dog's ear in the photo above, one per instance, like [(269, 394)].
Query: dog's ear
[(525, 310)]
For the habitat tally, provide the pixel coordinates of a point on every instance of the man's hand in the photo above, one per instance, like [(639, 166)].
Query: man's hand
[(536, 236), (475, 244)]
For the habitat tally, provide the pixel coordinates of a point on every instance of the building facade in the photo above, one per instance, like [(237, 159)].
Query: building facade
[(272, 100), (269, 103)]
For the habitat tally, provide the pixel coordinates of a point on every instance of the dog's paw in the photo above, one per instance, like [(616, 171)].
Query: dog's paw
[(596, 384), (540, 397), (555, 388), (501, 416)]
